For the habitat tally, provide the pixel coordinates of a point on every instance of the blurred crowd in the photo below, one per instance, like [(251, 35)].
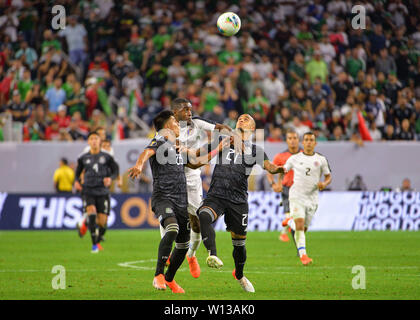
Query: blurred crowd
[(294, 64)]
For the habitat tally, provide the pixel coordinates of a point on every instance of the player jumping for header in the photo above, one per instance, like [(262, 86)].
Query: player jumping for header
[(228, 195), (169, 197), (308, 167)]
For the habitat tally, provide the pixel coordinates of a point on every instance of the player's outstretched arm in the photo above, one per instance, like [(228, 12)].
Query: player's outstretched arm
[(272, 168), (197, 162), (136, 171), (322, 185)]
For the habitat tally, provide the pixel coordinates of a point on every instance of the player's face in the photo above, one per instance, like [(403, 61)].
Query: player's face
[(94, 142), (246, 123), (106, 146), (173, 126), (292, 140), (185, 114), (309, 143)]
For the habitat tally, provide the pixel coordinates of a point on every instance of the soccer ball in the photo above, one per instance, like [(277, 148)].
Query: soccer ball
[(228, 24)]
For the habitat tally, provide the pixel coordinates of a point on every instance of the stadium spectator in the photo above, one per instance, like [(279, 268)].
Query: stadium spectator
[(55, 96), (405, 186)]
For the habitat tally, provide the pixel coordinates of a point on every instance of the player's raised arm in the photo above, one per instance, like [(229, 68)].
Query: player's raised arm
[(195, 162), (137, 169)]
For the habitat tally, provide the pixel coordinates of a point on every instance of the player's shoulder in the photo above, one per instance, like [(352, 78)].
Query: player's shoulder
[(156, 141), (83, 154), (320, 155), (198, 121)]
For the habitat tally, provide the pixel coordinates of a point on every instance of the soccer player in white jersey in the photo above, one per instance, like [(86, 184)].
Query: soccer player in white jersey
[(308, 167)]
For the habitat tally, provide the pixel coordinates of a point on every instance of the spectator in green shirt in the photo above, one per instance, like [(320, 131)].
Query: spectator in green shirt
[(49, 41), (25, 84), (161, 37), (228, 53), (210, 97), (297, 69), (317, 67), (354, 64), (194, 68)]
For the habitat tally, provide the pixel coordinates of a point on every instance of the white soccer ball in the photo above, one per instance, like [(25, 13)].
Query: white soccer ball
[(228, 24)]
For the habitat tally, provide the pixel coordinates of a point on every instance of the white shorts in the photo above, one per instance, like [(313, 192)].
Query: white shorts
[(195, 194), (299, 210)]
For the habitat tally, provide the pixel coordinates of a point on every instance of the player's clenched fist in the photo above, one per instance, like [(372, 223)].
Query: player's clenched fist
[(107, 182), (321, 185)]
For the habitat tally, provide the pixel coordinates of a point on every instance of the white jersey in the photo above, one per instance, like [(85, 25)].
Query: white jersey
[(308, 171), (194, 136)]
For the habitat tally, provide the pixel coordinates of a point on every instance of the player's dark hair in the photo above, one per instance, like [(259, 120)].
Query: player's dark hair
[(309, 133), (64, 161), (91, 133), (178, 103), (160, 120)]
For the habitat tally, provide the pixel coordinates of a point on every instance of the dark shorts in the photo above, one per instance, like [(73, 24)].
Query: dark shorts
[(236, 214), (164, 209), (101, 203), (285, 199)]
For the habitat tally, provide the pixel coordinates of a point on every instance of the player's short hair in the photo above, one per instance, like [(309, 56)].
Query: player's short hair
[(64, 161), (92, 133), (309, 133), (160, 120), (106, 140), (178, 103), (292, 131)]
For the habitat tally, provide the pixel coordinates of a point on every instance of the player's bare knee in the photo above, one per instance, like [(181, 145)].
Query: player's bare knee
[(90, 210), (300, 224)]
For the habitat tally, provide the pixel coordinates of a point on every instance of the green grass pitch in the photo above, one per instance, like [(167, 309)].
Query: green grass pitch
[(125, 269)]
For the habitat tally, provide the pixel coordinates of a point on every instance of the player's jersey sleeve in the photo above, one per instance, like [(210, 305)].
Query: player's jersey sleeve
[(325, 166), (204, 124), (289, 164), (154, 144)]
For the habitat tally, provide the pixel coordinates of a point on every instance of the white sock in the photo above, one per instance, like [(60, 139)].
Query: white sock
[(291, 224), (195, 241), (300, 242), (285, 230)]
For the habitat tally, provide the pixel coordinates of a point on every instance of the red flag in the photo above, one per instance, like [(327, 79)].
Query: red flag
[(364, 132)]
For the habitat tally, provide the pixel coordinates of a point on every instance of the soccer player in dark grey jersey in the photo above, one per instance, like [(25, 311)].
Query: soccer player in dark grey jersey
[(169, 197), (99, 169), (228, 195)]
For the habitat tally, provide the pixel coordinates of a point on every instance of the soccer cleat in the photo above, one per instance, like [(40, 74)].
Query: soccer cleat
[(284, 237), (159, 282), (95, 248), (81, 228), (305, 260), (244, 282), (175, 287), (99, 247), (285, 221), (214, 262), (194, 266)]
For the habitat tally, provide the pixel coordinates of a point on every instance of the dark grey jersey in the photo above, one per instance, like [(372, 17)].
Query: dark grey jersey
[(96, 167), (167, 166), (230, 175)]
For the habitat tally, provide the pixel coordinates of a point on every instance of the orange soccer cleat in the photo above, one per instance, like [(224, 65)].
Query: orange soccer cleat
[(305, 260), (175, 287), (159, 282), (82, 228), (99, 247), (284, 237), (285, 221), (194, 266)]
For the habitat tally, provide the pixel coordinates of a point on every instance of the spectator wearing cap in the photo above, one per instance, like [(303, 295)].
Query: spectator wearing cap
[(61, 117), (63, 177), (55, 96), (19, 109)]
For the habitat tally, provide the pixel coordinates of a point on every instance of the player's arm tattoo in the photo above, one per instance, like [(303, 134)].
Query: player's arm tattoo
[(272, 168)]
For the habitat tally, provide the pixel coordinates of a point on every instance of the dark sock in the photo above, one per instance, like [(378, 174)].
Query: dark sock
[(239, 256), (165, 248), (102, 231), (92, 227), (177, 257), (207, 232)]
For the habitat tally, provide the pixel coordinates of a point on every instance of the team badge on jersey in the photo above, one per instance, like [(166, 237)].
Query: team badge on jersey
[(102, 160), (316, 163), (87, 161)]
